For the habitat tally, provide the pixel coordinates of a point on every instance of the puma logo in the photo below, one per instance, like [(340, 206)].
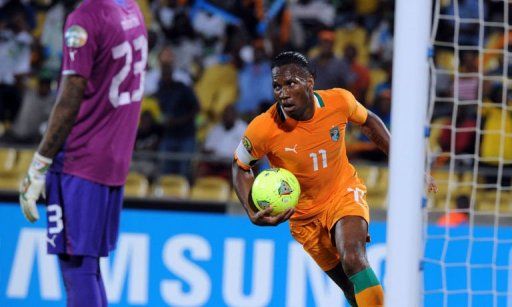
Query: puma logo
[(52, 240), (292, 149)]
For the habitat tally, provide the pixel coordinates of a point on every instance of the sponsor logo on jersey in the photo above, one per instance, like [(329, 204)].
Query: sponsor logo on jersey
[(247, 144), (75, 36), (335, 133), (291, 149)]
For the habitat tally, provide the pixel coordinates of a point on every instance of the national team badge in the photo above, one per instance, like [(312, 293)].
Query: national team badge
[(75, 36), (335, 133), (247, 144)]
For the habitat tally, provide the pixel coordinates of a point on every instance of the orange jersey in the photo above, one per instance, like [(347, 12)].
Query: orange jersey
[(313, 150)]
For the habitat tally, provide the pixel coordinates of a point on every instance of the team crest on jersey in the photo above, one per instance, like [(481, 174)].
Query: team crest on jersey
[(75, 36), (335, 133), (247, 144)]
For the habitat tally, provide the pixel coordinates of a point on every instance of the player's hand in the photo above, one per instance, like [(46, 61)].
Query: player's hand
[(265, 217), (33, 185), (431, 183)]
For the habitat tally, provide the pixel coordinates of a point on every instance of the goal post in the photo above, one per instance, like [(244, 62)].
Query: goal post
[(407, 154)]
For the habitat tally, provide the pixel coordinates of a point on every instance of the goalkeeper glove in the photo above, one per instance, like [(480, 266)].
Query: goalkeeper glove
[(34, 185)]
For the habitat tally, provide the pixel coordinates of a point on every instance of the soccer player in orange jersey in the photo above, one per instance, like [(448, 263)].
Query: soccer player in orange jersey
[(304, 132)]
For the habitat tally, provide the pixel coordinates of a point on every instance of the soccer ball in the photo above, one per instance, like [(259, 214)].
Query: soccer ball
[(275, 187)]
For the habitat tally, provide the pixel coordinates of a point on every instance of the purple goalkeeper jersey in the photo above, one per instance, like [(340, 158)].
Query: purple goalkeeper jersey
[(105, 41)]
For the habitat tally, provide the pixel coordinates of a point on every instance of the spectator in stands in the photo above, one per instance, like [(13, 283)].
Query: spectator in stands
[(149, 134), (51, 36), (384, 85), (467, 86), (457, 217), (179, 107), (15, 48), (381, 42), (221, 142), (173, 18), (466, 9), (464, 138), (332, 67), (166, 58), (357, 75), (35, 110), (496, 147), (254, 80)]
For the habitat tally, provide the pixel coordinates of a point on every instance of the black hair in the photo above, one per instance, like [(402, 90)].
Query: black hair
[(292, 57)]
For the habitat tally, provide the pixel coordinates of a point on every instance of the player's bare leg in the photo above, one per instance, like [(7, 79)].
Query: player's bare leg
[(341, 279), (350, 234)]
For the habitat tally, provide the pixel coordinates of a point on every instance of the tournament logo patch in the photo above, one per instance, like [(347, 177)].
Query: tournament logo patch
[(335, 133), (247, 144), (75, 36)]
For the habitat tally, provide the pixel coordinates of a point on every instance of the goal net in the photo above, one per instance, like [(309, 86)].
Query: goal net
[(468, 223)]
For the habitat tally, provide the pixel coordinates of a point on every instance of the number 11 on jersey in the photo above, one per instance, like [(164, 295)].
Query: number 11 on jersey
[(314, 156)]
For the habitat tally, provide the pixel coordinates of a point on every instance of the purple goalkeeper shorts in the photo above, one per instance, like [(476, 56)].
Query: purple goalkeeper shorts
[(83, 216)]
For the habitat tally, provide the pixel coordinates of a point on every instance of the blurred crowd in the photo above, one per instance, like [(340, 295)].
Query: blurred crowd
[(209, 73)]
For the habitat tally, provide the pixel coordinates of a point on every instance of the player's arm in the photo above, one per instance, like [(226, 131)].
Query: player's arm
[(63, 115), (242, 183), (376, 131), (373, 127), (246, 155), (60, 124)]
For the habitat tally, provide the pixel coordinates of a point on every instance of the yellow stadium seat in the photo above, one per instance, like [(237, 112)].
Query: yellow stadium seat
[(382, 183), (356, 36), (175, 186), (378, 192), (376, 76), (486, 201), (369, 175), (10, 181), (445, 59), (7, 159), (136, 185), (211, 189), (234, 197), (217, 87), (23, 160), (456, 184)]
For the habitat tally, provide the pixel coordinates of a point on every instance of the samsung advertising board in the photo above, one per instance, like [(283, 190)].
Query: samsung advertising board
[(165, 258)]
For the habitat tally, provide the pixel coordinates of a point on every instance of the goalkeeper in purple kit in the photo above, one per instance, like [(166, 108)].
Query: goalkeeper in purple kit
[(83, 160)]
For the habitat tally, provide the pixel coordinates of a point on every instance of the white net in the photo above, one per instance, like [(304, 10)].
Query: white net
[(468, 229)]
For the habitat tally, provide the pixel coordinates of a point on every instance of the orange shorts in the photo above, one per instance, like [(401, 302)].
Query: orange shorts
[(314, 234)]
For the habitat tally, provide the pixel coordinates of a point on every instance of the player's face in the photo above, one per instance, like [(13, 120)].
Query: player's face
[(293, 89)]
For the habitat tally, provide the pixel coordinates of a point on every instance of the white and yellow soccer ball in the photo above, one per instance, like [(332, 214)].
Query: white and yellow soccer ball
[(276, 187)]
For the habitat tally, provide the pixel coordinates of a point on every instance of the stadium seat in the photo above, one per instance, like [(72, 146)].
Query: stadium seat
[(7, 159), (174, 186), (457, 184), (486, 201), (10, 181), (136, 185), (13, 166), (445, 59), (211, 189), (23, 160), (369, 175), (356, 36), (234, 197), (376, 76)]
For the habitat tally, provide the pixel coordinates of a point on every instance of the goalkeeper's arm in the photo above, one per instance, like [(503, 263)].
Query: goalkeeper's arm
[(60, 124)]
